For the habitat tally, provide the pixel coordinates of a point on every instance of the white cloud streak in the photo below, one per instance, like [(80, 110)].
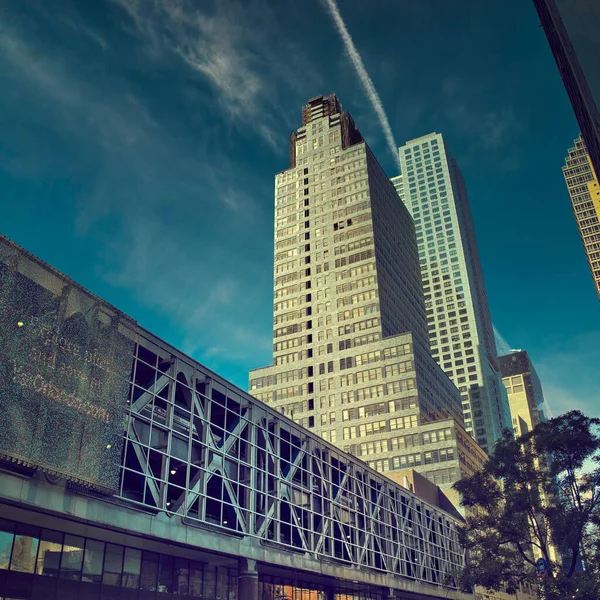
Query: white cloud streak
[(502, 346), (364, 78)]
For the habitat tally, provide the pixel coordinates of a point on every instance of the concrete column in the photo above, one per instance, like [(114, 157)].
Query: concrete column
[(247, 579)]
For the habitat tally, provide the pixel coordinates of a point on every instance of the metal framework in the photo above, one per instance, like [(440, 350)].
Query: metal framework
[(206, 451)]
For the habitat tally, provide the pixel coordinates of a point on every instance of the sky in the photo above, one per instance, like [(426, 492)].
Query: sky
[(139, 140)]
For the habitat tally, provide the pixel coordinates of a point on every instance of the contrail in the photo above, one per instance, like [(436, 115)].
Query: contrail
[(364, 78)]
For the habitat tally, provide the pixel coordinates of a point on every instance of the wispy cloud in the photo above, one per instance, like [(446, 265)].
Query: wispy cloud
[(160, 207), (229, 45), (489, 129), (502, 346), (570, 375), (365, 79)]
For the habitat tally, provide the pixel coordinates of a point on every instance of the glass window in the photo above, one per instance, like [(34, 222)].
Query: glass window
[(25, 549), (209, 581), (165, 574), (72, 557), (182, 569), (149, 571), (48, 562), (92, 564), (132, 568), (6, 541), (113, 565), (196, 572), (222, 582)]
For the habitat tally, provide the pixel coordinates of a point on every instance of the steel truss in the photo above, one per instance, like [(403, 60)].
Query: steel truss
[(206, 451)]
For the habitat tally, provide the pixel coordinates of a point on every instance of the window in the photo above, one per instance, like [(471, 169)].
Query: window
[(93, 561), (25, 549), (132, 568), (165, 574), (149, 571), (72, 557), (48, 562), (196, 577), (6, 542), (113, 565), (182, 570)]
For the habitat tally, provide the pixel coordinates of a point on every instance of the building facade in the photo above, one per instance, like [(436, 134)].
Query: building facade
[(584, 191), (351, 358), (460, 327), (129, 471), (572, 27), (524, 390)]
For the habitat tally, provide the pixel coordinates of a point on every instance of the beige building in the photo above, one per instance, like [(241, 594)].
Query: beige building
[(351, 357), (524, 389), (582, 183)]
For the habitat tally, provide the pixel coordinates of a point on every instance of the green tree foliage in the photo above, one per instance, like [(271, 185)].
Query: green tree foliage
[(537, 492)]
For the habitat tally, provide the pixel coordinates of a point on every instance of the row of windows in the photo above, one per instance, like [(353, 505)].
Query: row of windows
[(377, 427), (351, 246), (357, 298), (360, 311), (293, 343), (372, 374), (282, 377), (27, 549), (357, 284), (350, 210), (353, 258), (351, 233)]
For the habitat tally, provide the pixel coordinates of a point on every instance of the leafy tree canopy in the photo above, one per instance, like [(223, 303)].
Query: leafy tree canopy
[(538, 496)]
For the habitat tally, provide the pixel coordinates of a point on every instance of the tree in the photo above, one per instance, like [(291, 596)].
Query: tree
[(537, 493)]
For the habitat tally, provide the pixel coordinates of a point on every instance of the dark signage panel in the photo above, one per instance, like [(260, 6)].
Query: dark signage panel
[(65, 363)]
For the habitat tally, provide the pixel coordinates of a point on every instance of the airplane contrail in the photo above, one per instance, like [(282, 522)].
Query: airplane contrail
[(364, 78)]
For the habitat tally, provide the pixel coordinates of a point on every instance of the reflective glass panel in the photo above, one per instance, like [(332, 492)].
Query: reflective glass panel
[(196, 572), (25, 549), (113, 565), (182, 569), (165, 574), (48, 562), (149, 571), (72, 557), (92, 564), (132, 568), (6, 541)]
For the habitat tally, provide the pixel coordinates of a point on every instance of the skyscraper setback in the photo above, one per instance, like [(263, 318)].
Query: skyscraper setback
[(460, 327), (350, 340), (584, 190)]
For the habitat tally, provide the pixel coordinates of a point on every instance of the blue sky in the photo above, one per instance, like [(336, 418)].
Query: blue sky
[(139, 141)]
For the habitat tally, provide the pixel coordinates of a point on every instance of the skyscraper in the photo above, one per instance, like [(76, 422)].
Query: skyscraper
[(350, 341), (582, 183), (572, 28), (524, 389), (460, 327)]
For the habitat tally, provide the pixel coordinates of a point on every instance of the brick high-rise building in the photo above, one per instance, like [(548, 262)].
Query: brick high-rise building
[(460, 327), (584, 190), (351, 355)]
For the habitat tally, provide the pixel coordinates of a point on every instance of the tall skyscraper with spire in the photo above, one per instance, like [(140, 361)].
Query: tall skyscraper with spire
[(351, 355), (460, 327)]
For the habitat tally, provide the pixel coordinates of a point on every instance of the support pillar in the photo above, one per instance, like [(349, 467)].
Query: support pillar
[(247, 579), (389, 594)]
